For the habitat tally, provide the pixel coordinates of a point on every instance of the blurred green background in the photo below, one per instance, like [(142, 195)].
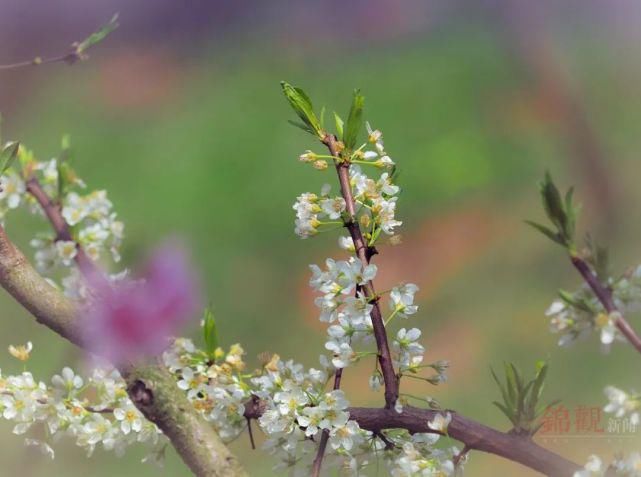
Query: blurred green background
[(180, 117)]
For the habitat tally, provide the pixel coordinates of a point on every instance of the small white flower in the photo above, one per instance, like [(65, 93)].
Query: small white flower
[(440, 422), (129, 417), (67, 381), (621, 404), (346, 243), (593, 468), (12, 188), (345, 436), (333, 208), (22, 352), (375, 381), (343, 353), (67, 251), (402, 300)]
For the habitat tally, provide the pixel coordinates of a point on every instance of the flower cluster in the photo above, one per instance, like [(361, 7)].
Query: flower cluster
[(347, 312), (216, 385), (418, 456), (314, 211), (576, 315), (626, 466), (95, 228), (299, 409), (375, 199), (93, 224), (94, 411), (623, 404)]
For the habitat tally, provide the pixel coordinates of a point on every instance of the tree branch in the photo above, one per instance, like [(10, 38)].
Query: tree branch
[(322, 446), (472, 434), (365, 253), (151, 387), (604, 295), (53, 212), (69, 58)]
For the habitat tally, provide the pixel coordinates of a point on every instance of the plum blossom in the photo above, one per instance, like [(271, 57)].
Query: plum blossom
[(402, 300), (594, 467), (12, 188), (440, 422), (621, 404)]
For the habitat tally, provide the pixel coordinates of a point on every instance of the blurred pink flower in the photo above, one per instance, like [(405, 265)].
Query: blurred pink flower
[(132, 319)]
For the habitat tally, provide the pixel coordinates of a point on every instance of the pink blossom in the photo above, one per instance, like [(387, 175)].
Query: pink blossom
[(133, 319)]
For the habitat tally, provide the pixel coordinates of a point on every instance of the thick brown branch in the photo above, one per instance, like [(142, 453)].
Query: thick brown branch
[(604, 295), (152, 388), (364, 254), (472, 434)]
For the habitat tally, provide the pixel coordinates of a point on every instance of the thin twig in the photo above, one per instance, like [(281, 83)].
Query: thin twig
[(251, 433), (53, 211), (604, 295), (318, 460), (461, 455), (365, 253), (389, 445), (322, 446), (69, 58)]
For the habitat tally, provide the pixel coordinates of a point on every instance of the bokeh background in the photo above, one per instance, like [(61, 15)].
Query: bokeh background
[(179, 116)]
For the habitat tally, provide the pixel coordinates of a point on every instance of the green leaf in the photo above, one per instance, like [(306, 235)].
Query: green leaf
[(552, 203), (301, 126), (547, 232), (302, 106), (501, 387), (339, 126), (210, 331), (8, 156), (354, 121), (97, 36), (537, 390), (573, 301), (507, 413), (512, 388), (570, 212)]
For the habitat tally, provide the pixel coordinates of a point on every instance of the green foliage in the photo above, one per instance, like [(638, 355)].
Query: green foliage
[(339, 126), (302, 106), (521, 400), (560, 211), (8, 156), (576, 301), (354, 121), (210, 332), (96, 37)]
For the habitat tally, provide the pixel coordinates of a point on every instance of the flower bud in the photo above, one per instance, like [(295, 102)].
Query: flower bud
[(307, 156), (375, 381), (321, 164), (396, 239)]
